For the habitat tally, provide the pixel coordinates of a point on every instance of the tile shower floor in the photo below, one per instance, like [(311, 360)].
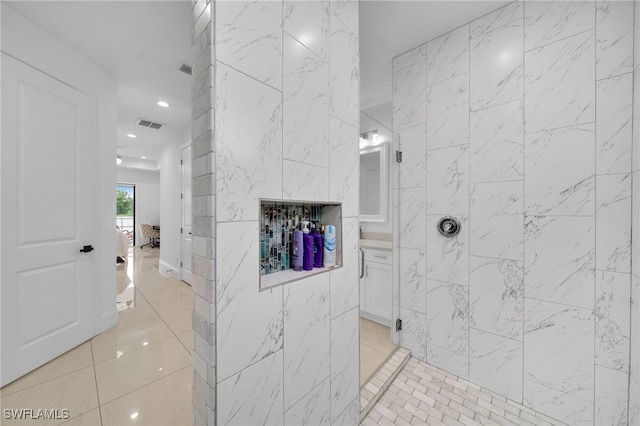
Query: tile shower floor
[(425, 395), (138, 372)]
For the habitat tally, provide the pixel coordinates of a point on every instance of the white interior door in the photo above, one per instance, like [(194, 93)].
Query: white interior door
[(185, 251), (48, 137)]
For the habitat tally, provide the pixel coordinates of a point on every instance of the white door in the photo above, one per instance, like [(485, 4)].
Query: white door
[(48, 136), (185, 252)]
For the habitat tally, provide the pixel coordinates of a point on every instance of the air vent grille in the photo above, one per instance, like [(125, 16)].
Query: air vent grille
[(185, 69), (150, 124)]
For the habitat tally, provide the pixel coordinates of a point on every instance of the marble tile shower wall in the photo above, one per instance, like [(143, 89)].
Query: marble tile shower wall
[(520, 124), (285, 125), (634, 367)]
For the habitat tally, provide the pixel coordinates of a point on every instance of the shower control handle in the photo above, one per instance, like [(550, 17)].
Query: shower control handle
[(449, 226)]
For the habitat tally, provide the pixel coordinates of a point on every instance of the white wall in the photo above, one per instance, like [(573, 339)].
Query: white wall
[(147, 197), (170, 208), (30, 44)]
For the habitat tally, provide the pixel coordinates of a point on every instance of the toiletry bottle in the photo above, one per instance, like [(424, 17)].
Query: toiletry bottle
[(329, 259), (307, 242), (297, 250), (318, 247)]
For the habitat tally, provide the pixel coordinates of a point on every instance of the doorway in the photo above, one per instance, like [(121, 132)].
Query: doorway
[(126, 210), (185, 229)]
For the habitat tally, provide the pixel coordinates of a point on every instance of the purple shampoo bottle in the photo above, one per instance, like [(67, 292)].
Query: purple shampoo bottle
[(318, 248), (297, 250), (307, 242)]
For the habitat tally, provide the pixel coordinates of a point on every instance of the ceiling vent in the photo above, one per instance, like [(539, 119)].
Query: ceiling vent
[(150, 124), (185, 68)]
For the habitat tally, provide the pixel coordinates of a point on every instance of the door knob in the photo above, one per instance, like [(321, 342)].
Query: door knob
[(86, 249)]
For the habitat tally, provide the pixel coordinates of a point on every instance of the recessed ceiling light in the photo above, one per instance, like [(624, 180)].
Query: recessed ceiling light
[(164, 104), (133, 416), (143, 157), (131, 135)]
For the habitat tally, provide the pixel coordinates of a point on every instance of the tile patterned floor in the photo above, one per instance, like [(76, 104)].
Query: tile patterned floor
[(378, 384), (425, 395), (131, 373)]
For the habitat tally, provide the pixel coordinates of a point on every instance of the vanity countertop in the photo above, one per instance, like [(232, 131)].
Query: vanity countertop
[(376, 244)]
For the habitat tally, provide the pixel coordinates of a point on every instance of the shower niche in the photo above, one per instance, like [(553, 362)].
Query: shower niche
[(279, 220)]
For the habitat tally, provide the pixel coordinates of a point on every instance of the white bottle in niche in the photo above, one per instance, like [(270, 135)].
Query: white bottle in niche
[(329, 257)]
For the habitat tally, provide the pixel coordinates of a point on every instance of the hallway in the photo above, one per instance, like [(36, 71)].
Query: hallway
[(131, 373)]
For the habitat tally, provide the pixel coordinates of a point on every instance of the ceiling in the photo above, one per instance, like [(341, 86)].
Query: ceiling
[(143, 43), (389, 28)]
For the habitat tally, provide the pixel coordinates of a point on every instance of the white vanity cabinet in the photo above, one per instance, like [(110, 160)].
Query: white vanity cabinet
[(375, 286)]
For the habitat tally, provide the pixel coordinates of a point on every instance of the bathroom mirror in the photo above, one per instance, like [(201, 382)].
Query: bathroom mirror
[(374, 178)]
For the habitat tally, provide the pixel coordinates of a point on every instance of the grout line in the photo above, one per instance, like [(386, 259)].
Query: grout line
[(524, 194), (611, 77), (595, 221), (495, 334), (505, 259), (146, 385), (330, 107), (512, 101), (282, 159), (535, 299), (551, 129), (95, 377), (637, 193), (213, 214), (561, 39), (470, 219), (246, 75), (426, 202)]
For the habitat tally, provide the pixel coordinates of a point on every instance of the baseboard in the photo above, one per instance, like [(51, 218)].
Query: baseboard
[(106, 321), (376, 318), (168, 268)]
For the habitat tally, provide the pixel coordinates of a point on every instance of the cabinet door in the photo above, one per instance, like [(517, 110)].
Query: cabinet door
[(378, 278), (363, 293)]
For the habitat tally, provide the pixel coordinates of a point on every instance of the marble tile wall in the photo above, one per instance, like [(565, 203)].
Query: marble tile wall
[(634, 365), (520, 124), (283, 124)]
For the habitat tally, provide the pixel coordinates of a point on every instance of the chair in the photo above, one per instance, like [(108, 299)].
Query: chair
[(153, 235)]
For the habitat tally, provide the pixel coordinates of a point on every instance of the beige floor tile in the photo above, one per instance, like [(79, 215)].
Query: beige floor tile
[(92, 418), (173, 305), (375, 347), (155, 282), (164, 402), (179, 322), (75, 392), (140, 314), (178, 289), (187, 340), (124, 340), (73, 360), (131, 371)]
